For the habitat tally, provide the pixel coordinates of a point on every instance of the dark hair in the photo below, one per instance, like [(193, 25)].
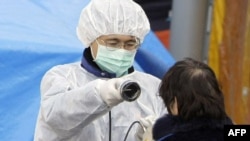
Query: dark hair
[(196, 89)]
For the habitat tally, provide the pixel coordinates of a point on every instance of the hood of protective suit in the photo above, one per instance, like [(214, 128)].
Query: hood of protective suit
[(104, 17)]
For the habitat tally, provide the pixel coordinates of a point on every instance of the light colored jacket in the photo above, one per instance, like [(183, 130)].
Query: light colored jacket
[(72, 109)]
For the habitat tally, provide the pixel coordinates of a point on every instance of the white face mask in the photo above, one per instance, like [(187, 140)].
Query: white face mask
[(114, 60)]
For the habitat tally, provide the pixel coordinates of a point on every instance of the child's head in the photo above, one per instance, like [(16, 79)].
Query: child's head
[(193, 87)]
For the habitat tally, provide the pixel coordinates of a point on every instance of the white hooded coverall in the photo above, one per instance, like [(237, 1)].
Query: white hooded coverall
[(72, 109)]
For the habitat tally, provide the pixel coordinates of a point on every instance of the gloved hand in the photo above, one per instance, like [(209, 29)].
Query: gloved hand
[(145, 133), (109, 91)]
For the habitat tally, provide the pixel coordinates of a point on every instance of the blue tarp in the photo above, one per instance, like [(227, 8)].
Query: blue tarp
[(36, 35)]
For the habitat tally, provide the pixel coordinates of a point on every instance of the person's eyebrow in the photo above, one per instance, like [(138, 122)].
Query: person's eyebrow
[(131, 40), (112, 39), (118, 40)]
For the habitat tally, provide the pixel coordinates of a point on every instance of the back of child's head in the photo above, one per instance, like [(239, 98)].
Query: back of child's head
[(196, 89)]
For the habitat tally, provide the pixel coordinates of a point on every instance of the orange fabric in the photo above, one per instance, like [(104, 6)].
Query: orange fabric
[(164, 37), (232, 68)]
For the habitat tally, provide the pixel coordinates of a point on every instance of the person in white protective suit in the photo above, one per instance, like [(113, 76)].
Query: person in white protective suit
[(82, 101)]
